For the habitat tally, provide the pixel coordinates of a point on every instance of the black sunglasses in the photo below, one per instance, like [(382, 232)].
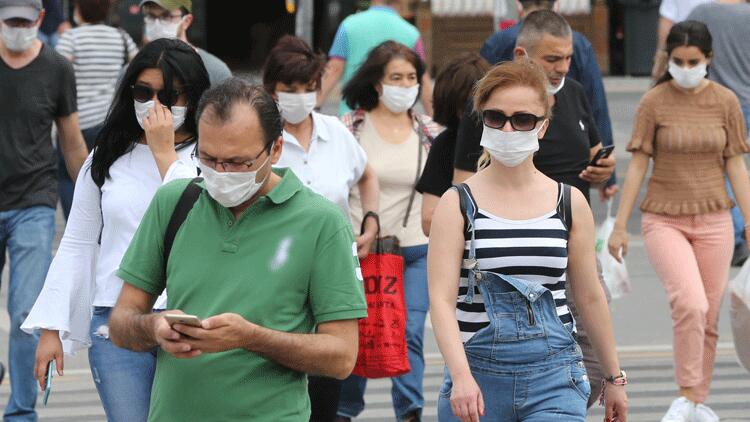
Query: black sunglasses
[(519, 121), (144, 94)]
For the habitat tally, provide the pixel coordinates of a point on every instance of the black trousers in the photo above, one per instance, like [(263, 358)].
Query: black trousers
[(324, 398)]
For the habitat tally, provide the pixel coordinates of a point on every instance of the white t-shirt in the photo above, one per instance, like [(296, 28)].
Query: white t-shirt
[(82, 274), (678, 10), (334, 163)]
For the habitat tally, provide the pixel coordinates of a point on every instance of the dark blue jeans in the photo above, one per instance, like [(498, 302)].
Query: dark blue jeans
[(406, 390), (27, 235)]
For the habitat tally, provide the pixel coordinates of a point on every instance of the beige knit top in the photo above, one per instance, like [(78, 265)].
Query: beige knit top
[(688, 135)]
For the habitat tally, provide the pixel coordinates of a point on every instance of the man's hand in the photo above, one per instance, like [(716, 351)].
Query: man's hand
[(599, 173), (218, 334), (170, 340)]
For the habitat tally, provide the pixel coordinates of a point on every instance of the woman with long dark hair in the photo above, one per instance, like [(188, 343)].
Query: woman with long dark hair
[(396, 140), (694, 131), (146, 140)]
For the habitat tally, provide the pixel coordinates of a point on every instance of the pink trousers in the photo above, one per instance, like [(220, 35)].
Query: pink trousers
[(691, 255)]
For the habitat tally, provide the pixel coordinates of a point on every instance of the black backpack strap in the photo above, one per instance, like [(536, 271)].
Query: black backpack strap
[(184, 205), (468, 205), (564, 205)]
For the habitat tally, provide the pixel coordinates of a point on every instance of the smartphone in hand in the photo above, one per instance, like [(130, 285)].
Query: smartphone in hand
[(190, 320), (603, 152), (48, 385)]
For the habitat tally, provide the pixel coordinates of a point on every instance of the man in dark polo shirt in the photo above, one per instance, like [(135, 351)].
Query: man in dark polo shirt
[(37, 88), (571, 139), (269, 266)]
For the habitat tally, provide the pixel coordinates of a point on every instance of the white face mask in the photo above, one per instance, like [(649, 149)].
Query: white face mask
[(552, 90), (141, 111), (399, 99), (231, 189), (510, 148), (296, 107), (158, 28), (18, 39), (688, 78)]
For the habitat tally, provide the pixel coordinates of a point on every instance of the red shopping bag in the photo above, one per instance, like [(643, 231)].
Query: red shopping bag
[(382, 335)]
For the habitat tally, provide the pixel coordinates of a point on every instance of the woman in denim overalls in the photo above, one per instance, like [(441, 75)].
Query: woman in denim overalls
[(508, 344)]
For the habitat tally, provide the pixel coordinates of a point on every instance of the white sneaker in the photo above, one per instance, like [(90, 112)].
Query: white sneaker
[(704, 413), (681, 410)]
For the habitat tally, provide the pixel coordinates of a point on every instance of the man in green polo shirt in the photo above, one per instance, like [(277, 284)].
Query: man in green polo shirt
[(269, 266)]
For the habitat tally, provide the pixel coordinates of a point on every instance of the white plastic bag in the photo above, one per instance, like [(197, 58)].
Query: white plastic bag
[(739, 314), (615, 274)]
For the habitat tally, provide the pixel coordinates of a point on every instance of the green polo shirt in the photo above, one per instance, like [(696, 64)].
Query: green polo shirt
[(288, 263)]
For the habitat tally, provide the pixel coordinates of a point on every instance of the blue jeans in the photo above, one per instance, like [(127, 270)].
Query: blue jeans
[(526, 362), (737, 220), (51, 39), (123, 378), (27, 235), (406, 390)]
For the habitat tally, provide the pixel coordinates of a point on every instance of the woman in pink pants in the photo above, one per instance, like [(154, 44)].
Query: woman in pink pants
[(694, 132)]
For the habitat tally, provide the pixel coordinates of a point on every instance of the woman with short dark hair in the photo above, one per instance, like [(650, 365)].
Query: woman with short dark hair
[(98, 52), (146, 141), (325, 157), (397, 141), (453, 88)]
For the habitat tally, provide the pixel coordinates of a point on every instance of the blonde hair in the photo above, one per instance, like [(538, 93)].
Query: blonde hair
[(522, 72)]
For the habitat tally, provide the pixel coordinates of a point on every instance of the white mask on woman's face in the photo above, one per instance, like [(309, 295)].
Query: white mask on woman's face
[(296, 107), (688, 78), (232, 189), (399, 99), (510, 148), (141, 111)]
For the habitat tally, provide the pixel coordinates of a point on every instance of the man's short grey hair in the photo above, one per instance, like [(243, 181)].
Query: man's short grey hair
[(219, 101), (540, 23), (540, 4)]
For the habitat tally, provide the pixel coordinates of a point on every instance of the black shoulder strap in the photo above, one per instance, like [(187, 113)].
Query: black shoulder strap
[(184, 205), (466, 202), (564, 207)]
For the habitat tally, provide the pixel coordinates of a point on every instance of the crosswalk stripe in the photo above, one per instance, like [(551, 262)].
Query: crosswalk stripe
[(652, 388)]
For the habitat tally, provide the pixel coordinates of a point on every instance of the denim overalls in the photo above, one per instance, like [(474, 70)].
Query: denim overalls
[(526, 362)]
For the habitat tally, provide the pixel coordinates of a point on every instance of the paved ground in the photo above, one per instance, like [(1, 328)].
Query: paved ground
[(641, 320)]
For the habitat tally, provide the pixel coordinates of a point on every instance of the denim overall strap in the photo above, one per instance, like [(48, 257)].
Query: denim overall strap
[(530, 290), (468, 211)]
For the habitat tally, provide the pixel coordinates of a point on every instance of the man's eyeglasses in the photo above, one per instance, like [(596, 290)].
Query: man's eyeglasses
[(19, 23), (519, 121), (226, 166), (144, 94)]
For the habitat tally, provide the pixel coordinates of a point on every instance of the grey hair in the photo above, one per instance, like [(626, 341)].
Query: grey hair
[(219, 101), (540, 23)]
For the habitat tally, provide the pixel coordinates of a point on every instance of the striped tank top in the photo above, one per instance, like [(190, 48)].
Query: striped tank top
[(534, 250)]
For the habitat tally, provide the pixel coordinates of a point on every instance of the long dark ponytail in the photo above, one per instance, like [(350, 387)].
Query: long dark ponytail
[(121, 131), (688, 34)]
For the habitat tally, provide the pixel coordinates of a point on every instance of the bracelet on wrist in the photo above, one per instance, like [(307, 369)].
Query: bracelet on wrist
[(618, 380)]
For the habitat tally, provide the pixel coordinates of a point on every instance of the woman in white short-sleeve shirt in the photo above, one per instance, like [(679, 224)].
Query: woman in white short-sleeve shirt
[(318, 148), (325, 156)]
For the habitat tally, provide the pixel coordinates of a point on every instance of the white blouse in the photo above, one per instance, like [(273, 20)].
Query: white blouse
[(334, 163), (82, 274)]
